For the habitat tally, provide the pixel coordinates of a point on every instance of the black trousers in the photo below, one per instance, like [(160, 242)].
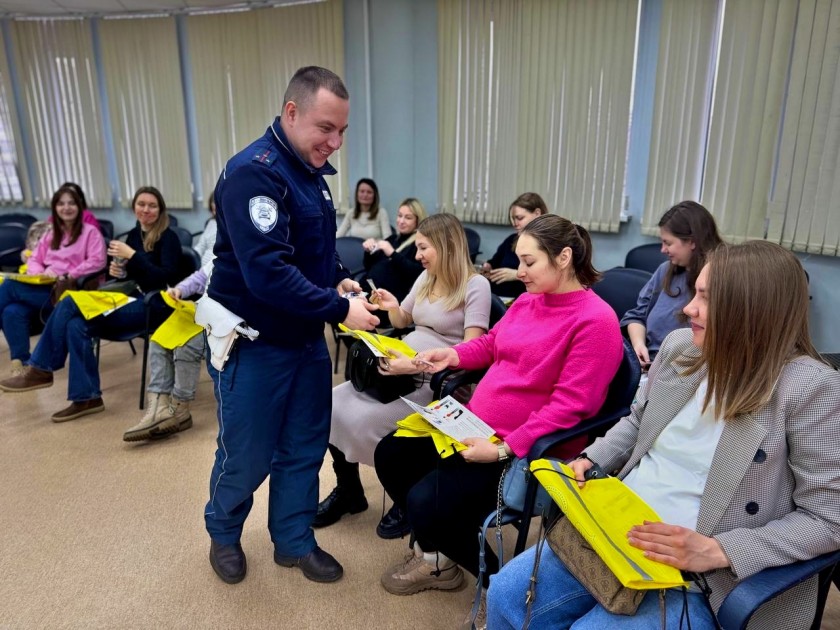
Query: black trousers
[(446, 500)]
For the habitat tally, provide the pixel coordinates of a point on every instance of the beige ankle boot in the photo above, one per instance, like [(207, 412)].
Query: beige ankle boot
[(173, 418), (143, 430), (17, 368)]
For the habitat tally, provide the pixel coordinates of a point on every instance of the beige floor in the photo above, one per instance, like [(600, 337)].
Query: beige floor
[(99, 533)]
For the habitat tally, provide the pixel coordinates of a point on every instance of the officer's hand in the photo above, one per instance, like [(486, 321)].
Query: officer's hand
[(360, 317), (348, 285)]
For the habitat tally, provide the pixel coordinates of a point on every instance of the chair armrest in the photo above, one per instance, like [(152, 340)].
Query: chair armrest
[(546, 442), (749, 594), (84, 280), (445, 382)]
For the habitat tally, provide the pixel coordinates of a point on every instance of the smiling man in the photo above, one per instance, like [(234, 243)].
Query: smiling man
[(276, 268)]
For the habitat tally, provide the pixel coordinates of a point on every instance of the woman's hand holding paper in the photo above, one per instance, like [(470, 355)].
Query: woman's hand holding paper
[(400, 364), (678, 547), (439, 358), (480, 450)]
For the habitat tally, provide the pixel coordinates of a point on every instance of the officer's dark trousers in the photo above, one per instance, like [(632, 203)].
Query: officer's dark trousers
[(274, 419)]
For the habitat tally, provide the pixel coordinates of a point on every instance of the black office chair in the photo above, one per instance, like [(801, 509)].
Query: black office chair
[(18, 217), (184, 235), (647, 257), (619, 287), (620, 396), (352, 254), (473, 242), (188, 263), (748, 596), (173, 220), (12, 243), (107, 229)]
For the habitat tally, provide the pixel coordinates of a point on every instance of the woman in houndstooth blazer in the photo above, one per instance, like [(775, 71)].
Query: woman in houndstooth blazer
[(735, 433)]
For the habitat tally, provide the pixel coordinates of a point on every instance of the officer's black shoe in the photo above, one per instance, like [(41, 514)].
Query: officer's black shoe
[(317, 565), (228, 561), (338, 503), (394, 524)]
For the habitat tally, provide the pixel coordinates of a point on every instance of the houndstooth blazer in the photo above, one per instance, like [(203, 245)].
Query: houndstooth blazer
[(772, 496)]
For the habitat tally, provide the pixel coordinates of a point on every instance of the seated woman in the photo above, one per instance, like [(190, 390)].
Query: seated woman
[(368, 219), (732, 441), (173, 374), (391, 263), (551, 359), (448, 303), (501, 269), (149, 256), (69, 248), (688, 232), (207, 239)]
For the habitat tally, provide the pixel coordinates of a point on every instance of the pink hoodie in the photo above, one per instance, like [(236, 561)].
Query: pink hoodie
[(84, 256)]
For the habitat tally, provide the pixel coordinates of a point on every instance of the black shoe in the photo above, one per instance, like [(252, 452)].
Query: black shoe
[(394, 524), (228, 561), (317, 565), (338, 503)]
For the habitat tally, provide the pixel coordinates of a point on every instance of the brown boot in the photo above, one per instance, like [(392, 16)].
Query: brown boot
[(31, 378), (173, 418), (155, 403), (79, 409)]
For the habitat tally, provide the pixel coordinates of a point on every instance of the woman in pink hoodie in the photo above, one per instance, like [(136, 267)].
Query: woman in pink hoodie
[(70, 249)]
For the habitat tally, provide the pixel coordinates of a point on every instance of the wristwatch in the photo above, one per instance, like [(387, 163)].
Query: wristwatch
[(503, 454)]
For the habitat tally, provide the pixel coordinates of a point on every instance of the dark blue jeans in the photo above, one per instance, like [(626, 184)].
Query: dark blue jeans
[(19, 302), (274, 409), (67, 333)]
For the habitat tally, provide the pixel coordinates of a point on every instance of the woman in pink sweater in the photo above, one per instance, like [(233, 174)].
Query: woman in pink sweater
[(551, 359), (70, 248)]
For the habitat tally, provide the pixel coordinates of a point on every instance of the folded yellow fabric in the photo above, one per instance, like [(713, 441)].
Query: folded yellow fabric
[(384, 344), (603, 511), (180, 326), (95, 303), (415, 425), (27, 279)]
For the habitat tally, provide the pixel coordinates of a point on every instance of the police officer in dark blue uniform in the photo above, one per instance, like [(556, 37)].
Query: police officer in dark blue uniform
[(276, 268)]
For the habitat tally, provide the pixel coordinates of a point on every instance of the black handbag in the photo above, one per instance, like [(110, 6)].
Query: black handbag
[(365, 376)]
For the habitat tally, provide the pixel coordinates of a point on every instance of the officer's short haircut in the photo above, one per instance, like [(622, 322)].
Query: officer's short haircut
[(308, 80)]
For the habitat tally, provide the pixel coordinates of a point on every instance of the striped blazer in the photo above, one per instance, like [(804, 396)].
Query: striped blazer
[(772, 496)]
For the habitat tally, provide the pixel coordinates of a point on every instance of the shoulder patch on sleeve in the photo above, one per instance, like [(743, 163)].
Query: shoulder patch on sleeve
[(263, 212), (265, 157)]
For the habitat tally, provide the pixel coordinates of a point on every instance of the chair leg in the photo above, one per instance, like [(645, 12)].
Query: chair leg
[(337, 353), (131, 345), (525, 524), (143, 375)]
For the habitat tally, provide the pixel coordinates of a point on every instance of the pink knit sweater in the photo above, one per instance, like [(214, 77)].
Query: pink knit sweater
[(551, 359)]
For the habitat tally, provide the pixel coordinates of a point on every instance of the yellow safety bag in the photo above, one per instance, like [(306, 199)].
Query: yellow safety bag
[(415, 425), (603, 511), (27, 279), (180, 326), (383, 344), (95, 303)]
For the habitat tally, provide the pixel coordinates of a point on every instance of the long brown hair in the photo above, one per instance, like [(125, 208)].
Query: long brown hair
[(756, 321), (373, 211), (454, 267), (689, 221), (160, 226), (58, 231), (554, 233)]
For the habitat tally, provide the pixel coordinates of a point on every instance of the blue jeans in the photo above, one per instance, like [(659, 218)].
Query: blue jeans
[(19, 302), (274, 408), (562, 602), (68, 333)]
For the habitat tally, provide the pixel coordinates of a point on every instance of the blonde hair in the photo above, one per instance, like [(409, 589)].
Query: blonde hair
[(419, 213), (454, 267), (757, 321)]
